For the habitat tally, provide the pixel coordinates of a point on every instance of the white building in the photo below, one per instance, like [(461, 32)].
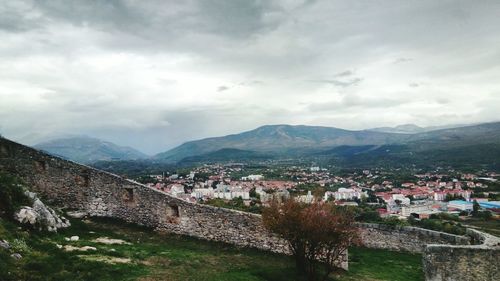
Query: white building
[(199, 193), (252, 178), (417, 209), (308, 199), (265, 197), (176, 190), (401, 198), (314, 169), (344, 194), (228, 192)]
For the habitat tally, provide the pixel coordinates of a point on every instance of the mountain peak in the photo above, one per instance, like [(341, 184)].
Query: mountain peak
[(85, 149)]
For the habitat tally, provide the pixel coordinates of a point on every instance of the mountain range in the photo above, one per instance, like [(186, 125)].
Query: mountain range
[(88, 150), (477, 145), (300, 140)]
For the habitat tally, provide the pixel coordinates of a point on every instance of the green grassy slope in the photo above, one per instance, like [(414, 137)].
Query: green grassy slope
[(169, 257)]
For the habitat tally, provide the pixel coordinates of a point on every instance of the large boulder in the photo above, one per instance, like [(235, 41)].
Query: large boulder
[(40, 216)]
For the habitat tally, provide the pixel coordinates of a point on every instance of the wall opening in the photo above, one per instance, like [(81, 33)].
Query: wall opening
[(83, 179), (128, 195), (41, 166), (172, 212)]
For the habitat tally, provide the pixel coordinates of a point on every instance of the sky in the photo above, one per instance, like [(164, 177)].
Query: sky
[(154, 74)]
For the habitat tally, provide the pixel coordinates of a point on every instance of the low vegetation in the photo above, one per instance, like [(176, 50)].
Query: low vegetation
[(318, 235), (11, 196), (152, 256)]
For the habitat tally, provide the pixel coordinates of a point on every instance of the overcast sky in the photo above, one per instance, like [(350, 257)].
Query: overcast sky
[(153, 74)]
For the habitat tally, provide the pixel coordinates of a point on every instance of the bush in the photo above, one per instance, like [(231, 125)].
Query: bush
[(368, 216), (318, 234), (12, 196), (444, 216), (439, 225), (394, 221)]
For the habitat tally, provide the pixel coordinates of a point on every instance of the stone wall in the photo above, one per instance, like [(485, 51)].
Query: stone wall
[(73, 186), (464, 262), (410, 239)]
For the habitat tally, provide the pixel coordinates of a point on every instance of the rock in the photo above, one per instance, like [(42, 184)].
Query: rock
[(4, 244), (110, 241), (74, 238), (88, 248), (77, 214), (69, 248), (40, 216), (16, 256), (59, 246)]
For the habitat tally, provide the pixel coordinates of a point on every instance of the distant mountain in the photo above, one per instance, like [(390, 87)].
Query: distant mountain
[(462, 144), (400, 129), (414, 129), (87, 150), (281, 139)]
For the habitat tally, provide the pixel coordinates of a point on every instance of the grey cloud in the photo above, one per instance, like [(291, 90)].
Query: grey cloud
[(442, 101), (344, 73), (340, 83), (414, 85), (222, 88), (402, 60)]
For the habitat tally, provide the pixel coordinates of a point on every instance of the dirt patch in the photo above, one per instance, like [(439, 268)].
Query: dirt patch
[(110, 241), (160, 261), (69, 248), (106, 259)]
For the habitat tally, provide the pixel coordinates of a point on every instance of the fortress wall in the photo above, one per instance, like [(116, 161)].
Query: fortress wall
[(466, 262), (73, 186), (405, 238)]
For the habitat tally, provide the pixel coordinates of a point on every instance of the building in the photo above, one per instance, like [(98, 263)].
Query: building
[(199, 193), (460, 205), (308, 199), (252, 178), (344, 194), (417, 209), (176, 190), (228, 192), (314, 169)]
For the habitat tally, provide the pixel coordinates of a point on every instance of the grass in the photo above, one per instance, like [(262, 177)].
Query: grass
[(170, 257), (491, 226)]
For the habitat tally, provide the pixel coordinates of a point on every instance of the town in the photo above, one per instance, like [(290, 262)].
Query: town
[(393, 193)]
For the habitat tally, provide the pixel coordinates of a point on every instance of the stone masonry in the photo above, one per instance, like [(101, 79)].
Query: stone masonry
[(405, 238)]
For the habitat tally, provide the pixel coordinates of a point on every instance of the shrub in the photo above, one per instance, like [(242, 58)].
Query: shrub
[(12, 196), (317, 234)]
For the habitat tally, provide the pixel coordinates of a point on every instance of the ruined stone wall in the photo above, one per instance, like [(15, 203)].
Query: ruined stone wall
[(405, 238), (78, 187), (464, 263)]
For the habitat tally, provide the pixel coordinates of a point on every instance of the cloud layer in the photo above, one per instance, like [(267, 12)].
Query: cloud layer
[(153, 74)]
